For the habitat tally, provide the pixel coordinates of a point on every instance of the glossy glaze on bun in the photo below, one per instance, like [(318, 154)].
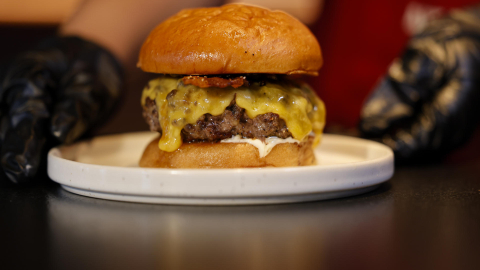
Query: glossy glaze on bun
[(231, 39), (227, 155)]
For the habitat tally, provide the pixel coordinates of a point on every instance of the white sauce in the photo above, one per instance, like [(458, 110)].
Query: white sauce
[(263, 147)]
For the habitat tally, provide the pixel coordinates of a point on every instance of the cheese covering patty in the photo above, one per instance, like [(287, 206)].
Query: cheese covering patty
[(295, 103)]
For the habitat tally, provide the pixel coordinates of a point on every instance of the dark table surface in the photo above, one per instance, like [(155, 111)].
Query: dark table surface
[(424, 218)]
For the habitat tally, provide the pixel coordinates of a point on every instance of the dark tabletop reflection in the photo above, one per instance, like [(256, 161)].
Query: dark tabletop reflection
[(423, 218), (100, 233)]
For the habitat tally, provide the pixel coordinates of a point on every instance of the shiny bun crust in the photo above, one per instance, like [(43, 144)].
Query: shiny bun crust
[(227, 155), (231, 39)]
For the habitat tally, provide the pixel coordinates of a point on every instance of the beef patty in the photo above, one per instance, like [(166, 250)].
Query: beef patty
[(233, 121)]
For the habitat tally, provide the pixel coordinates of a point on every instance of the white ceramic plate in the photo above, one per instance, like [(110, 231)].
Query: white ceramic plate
[(106, 167)]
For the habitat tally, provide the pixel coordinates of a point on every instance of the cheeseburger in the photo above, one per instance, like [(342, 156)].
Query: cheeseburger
[(228, 94)]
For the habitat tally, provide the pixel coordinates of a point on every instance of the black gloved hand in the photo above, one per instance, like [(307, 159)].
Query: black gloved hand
[(59, 90), (429, 102)]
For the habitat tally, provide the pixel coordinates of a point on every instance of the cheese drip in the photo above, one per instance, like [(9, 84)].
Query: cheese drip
[(297, 105)]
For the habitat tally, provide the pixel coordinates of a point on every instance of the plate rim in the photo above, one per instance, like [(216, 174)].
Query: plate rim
[(385, 161), (229, 201), (52, 153)]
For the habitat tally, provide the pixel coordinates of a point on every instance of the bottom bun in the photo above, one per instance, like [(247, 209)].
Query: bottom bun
[(228, 155)]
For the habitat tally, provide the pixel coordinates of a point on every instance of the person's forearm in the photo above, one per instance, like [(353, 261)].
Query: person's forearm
[(122, 25)]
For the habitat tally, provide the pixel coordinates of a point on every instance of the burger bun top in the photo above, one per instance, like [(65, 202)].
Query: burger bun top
[(231, 39)]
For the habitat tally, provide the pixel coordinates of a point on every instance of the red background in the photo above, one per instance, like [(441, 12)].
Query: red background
[(359, 39)]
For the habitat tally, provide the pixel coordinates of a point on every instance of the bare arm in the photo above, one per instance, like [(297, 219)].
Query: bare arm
[(122, 25)]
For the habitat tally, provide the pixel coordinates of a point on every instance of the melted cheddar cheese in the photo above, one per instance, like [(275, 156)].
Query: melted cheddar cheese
[(302, 111)]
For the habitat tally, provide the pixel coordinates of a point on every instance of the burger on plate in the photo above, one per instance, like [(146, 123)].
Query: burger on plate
[(228, 94)]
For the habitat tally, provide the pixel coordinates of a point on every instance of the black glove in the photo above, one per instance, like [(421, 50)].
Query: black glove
[(429, 102), (57, 91)]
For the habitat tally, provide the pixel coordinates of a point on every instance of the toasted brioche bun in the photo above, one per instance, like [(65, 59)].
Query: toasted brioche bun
[(231, 39), (227, 155)]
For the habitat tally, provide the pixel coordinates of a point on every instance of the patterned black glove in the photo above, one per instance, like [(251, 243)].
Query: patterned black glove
[(59, 90), (429, 102)]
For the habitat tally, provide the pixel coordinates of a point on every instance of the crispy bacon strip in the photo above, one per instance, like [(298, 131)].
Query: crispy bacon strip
[(204, 82)]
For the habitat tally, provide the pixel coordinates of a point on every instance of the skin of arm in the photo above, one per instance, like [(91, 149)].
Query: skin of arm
[(122, 25)]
